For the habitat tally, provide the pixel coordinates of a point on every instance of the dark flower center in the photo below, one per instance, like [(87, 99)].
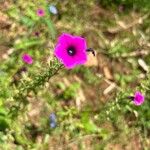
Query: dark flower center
[(71, 50), (40, 11)]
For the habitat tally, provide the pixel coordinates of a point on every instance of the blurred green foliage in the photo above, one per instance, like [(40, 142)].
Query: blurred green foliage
[(127, 4), (31, 97)]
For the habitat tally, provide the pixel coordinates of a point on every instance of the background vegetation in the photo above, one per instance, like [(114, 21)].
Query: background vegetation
[(90, 102)]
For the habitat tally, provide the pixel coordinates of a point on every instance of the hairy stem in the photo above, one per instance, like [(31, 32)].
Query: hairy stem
[(28, 86)]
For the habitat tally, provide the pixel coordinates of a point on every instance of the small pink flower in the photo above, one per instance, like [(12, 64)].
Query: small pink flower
[(27, 59), (40, 12), (71, 50), (138, 98)]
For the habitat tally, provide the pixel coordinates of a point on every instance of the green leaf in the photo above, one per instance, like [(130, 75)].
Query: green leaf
[(3, 111), (27, 21), (31, 13), (21, 139), (13, 12), (51, 27), (4, 123), (26, 43), (88, 124)]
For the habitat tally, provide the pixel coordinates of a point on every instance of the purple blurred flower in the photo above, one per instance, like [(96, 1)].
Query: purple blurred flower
[(22, 69), (53, 9), (27, 59), (40, 12), (52, 118), (138, 98), (37, 33), (71, 50)]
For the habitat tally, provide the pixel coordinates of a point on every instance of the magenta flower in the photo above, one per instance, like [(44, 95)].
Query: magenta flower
[(71, 50), (40, 12), (138, 98), (27, 59)]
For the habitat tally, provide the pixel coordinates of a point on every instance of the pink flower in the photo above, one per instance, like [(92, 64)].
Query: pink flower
[(27, 59), (71, 50), (138, 98), (40, 12)]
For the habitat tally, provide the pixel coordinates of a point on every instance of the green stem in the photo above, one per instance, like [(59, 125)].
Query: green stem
[(28, 86)]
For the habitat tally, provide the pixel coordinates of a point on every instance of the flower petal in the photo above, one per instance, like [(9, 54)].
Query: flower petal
[(66, 39), (138, 98), (27, 59), (61, 50), (80, 44)]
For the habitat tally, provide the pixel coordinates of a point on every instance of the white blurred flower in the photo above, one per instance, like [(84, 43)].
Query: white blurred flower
[(53, 9)]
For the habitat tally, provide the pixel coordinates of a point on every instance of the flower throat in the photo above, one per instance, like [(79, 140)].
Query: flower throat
[(71, 51)]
